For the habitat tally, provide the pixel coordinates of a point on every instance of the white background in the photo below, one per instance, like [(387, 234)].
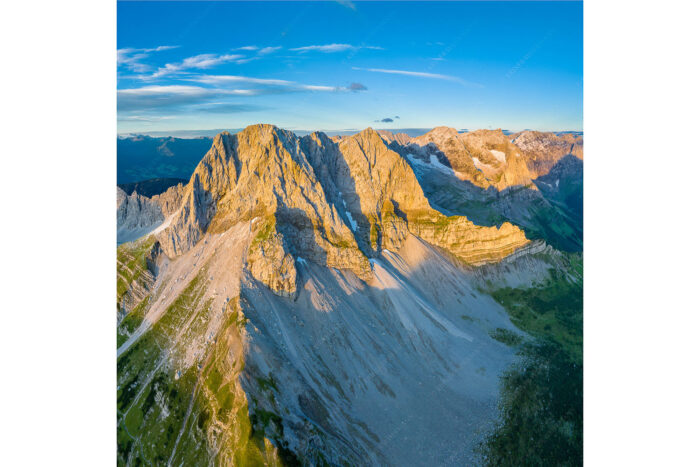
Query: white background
[(57, 236)]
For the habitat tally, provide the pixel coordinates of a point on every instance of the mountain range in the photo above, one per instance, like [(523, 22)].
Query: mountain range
[(359, 299), (143, 157)]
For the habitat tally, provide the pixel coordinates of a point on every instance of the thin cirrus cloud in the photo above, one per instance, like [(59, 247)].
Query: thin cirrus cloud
[(269, 84), (421, 74), (144, 118), (260, 50), (151, 98), (158, 98), (201, 61), (131, 57), (268, 50), (223, 79), (330, 48), (226, 108)]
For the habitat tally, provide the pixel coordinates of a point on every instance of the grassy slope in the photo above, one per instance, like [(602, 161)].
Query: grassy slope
[(186, 416), (132, 269), (542, 404)]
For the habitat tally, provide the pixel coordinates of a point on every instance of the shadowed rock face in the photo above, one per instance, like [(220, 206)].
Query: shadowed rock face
[(138, 215)]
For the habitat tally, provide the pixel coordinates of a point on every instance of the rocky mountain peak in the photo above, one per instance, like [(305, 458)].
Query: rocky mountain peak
[(442, 132), (368, 137), (333, 203)]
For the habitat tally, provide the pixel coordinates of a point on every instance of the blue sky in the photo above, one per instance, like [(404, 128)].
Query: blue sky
[(349, 65)]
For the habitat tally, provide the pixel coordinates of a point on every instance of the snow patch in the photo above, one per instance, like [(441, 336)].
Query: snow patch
[(480, 165), (501, 156), (353, 224), (433, 164)]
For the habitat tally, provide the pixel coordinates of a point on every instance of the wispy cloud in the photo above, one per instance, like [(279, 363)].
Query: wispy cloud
[(330, 48), (226, 108), (148, 98), (222, 80), (260, 51), (157, 98), (347, 4), (155, 90), (268, 50), (131, 57), (201, 61), (421, 74), (144, 118), (313, 87)]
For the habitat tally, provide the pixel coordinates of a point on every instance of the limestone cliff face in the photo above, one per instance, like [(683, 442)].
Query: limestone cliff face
[(372, 184), (138, 215), (136, 212), (262, 173), (335, 203), (269, 262), (170, 200), (209, 182)]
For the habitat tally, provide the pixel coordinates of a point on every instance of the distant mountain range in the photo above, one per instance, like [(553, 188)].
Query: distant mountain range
[(367, 299), (144, 157)]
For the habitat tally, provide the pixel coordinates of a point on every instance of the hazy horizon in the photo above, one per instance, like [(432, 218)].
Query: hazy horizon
[(188, 134)]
